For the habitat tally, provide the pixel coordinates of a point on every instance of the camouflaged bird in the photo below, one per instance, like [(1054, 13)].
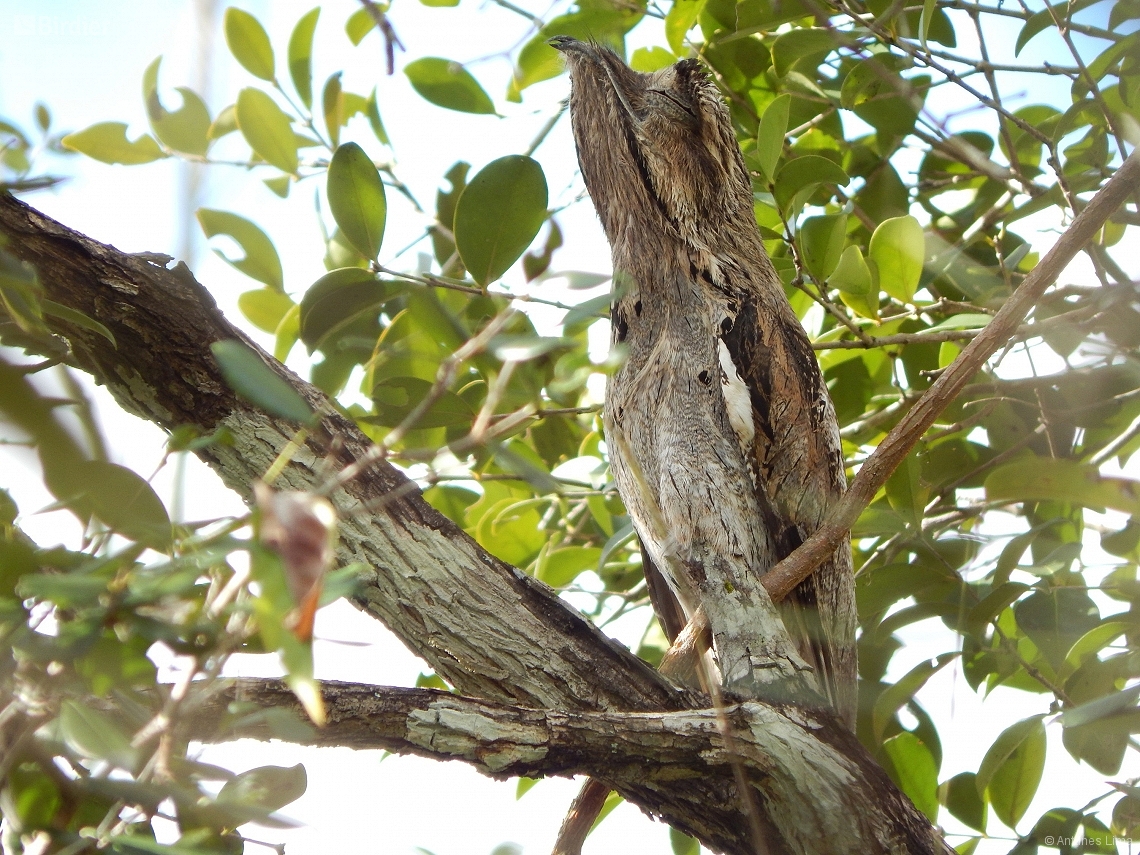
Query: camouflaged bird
[(722, 438)]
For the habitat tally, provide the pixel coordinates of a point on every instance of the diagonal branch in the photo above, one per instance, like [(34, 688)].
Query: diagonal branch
[(486, 627), (898, 443)]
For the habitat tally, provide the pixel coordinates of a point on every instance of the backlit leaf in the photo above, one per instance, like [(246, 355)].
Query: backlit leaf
[(448, 84), (107, 142), (186, 129), (356, 199), (897, 249), (267, 129), (1011, 770), (500, 212), (249, 43), (770, 136), (260, 260), (301, 55)]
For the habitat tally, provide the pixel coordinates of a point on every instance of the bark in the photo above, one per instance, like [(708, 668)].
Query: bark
[(558, 696), (679, 757)]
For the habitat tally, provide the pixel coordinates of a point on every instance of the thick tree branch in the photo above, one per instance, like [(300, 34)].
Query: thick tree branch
[(486, 627), (636, 753), (898, 443)]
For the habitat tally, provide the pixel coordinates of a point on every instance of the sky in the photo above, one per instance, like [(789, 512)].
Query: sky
[(85, 61)]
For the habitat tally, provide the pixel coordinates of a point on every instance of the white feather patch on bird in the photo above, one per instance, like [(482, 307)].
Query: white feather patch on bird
[(736, 399)]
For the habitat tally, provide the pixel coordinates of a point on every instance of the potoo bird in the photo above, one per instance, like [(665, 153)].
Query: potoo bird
[(722, 438)]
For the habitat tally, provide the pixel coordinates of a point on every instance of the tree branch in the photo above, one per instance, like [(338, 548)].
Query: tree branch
[(778, 747), (484, 626), (898, 443)]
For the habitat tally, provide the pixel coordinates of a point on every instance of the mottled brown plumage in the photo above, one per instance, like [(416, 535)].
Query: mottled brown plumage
[(722, 438)]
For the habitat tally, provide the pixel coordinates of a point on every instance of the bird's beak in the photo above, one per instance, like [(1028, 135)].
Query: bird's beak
[(563, 43), (599, 60)]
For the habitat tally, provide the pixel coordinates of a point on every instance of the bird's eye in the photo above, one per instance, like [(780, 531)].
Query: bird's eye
[(674, 105)]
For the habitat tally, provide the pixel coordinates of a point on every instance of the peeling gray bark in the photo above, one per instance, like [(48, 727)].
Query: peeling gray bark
[(487, 628)]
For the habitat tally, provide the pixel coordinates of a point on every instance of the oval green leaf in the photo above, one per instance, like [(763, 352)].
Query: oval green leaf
[(1011, 769), (124, 501), (501, 210), (95, 734), (249, 43), (770, 135), (798, 44), (821, 241), (897, 248), (247, 374), (261, 261), (336, 300), (301, 55), (267, 129), (914, 771), (448, 84), (267, 787), (851, 274), (804, 173), (264, 308), (356, 199), (107, 142)]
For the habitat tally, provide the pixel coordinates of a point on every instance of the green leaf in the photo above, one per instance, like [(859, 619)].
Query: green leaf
[(682, 844), (680, 19), (260, 260), (107, 142), (249, 376), (356, 199), (1035, 478), (185, 130), (821, 241), (372, 109), (332, 104), (124, 501), (264, 308), (95, 734), (1102, 708), (249, 43), (394, 399), (267, 129), (448, 84), (770, 136), (560, 567), (1011, 770), (895, 696), (871, 79), (808, 43), (267, 787), (914, 771), (301, 55), (1056, 619), (851, 274), (803, 174), (961, 797), (76, 318), (359, 24), (906, 493), (897, 249), (500, 212), (651, 59), (338, 299)]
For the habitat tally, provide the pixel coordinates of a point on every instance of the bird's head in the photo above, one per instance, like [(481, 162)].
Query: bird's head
[(662, 140)]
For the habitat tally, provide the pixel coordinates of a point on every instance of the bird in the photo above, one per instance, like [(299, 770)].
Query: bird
[(723, 442)]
